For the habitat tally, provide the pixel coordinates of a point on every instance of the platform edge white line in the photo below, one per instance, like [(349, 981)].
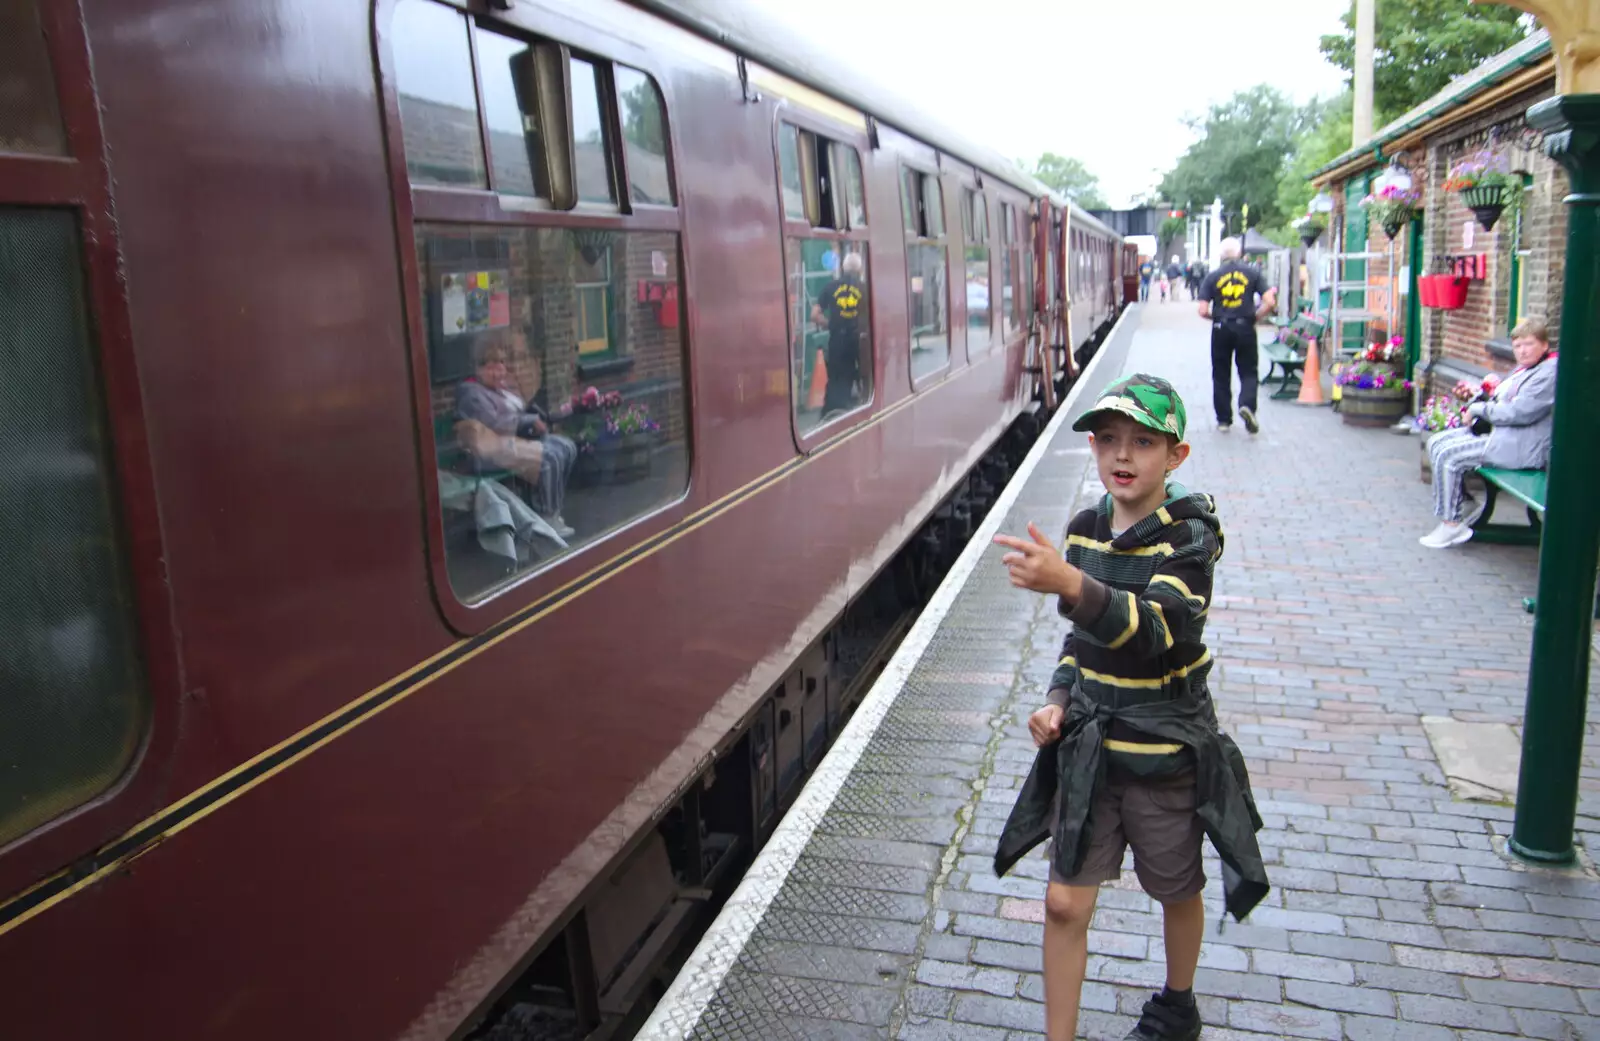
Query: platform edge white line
[(680, 1009)]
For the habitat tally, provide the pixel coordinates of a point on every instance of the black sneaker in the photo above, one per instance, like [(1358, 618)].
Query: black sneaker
[(1166, 1020), (1249, 417)]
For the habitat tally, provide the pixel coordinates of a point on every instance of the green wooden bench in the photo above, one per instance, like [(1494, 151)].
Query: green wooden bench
[(1528, 488), (1287, 353)]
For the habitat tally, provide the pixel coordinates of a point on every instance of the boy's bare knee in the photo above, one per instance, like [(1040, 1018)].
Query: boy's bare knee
[(1071, 906)]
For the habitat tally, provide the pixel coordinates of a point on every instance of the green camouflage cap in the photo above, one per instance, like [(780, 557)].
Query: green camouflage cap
[(1150, 400)]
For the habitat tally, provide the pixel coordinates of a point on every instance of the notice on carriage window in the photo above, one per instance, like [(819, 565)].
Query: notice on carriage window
[(471, 301)]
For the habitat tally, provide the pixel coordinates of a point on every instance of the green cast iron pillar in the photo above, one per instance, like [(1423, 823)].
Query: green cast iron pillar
[(1558, 674)]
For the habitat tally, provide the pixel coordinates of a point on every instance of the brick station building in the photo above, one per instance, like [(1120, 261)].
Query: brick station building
[(1515, 269)]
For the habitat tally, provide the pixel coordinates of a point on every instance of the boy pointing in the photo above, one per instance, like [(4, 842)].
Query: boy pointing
[(1130, 753)]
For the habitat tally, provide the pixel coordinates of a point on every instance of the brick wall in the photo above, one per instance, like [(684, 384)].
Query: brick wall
[(1462, 336), (542, 335)]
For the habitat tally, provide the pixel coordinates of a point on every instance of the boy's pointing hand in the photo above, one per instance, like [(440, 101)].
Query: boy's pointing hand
[(1034, 564)]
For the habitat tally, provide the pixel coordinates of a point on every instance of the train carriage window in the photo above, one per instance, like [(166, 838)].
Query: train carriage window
[(75, 703), (854, 192), (534, 462), (927, 262), (827, 279), (592, 151), (790, 180), (975, 223), (644, 137), (1011, 300), (30, 116), (557, 383), (516, 146), (438, 96)]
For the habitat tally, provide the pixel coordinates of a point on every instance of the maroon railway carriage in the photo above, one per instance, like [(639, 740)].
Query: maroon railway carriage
[(314, 727)]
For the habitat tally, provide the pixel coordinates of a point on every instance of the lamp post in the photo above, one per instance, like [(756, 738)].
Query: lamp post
[(1558, 673)]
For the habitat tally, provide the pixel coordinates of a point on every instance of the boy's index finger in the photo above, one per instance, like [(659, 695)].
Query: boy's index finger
[(1012, 542), (1039, 537)]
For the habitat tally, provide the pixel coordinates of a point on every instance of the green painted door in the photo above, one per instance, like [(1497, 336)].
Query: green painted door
[(1355, 241)]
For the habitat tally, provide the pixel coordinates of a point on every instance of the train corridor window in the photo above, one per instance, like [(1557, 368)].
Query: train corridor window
[(76, 705), (517, 153), (437, 95), (975, 224), (927, 262), (827, 277), (591, 150), (557, 397), (1010, 299), (644, 137)]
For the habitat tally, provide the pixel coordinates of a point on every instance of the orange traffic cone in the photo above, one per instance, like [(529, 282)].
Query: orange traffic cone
[(819, 383), (1311, 377)]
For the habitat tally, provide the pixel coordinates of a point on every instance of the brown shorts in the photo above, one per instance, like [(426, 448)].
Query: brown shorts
[(1157, 819)]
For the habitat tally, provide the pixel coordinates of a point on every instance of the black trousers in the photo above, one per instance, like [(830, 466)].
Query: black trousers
[(843, 361), (1233, 344)]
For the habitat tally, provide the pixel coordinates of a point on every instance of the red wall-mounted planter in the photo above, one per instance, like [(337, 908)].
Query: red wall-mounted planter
[(1445, 292)]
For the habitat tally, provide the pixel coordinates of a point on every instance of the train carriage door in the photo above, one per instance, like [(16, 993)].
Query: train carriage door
[(89, 670)]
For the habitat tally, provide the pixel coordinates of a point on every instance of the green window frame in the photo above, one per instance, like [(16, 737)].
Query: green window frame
[(1518, 301)]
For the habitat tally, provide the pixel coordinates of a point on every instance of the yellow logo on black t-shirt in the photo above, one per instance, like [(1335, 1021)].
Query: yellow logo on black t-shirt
[(847, 300), (1232, 287)]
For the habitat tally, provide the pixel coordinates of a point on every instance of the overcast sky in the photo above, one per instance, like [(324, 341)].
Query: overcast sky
[(1121, 76)]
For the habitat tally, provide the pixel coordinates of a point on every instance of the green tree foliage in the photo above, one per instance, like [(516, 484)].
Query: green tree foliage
[(1071, 178), (1421, 45), (641, 119), (1242, 154), (1325, 139)]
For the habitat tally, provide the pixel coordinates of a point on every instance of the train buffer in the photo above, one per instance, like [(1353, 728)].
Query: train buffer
[(874, 911)]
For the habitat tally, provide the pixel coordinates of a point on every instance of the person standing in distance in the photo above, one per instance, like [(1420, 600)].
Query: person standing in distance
[(1228, 299), (840, 306), (1147, 271), (1176, 275)]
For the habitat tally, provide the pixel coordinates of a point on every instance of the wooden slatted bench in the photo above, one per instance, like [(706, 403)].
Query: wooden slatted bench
[(1287, 353), (1527, 487)]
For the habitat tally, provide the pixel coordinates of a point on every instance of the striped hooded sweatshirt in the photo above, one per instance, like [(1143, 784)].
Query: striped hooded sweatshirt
[(1133, 678), (1138, 629)]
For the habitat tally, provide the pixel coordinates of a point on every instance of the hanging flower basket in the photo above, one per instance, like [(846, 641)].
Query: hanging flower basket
[(1310, 227), (1393, 207), (1487, 202), (1309, 236), (1484, 181)]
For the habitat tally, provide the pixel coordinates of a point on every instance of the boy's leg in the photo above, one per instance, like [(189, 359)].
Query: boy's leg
[(1183, 925), (1067, 913), (1166, 835), (1068, 908)]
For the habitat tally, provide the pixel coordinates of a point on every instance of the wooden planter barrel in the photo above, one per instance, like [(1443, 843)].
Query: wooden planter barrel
[(1375, 407), (614, 461)]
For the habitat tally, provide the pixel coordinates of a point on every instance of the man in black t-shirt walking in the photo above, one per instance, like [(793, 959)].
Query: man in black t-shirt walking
[(841, 304), (1228, 298)]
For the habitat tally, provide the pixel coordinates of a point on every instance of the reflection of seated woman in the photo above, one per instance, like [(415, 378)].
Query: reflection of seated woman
[(501, 428), (1520, 416)]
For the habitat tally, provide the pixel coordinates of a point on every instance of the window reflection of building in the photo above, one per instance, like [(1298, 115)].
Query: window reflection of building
[(592, 284), (922, 205), (587, 318)]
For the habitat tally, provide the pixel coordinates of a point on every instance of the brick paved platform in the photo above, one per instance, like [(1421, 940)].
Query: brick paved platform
[(1394, 913)]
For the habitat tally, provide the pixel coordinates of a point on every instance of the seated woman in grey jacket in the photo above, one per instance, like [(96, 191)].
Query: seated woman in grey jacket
[(500, 427), (1519, 413)]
